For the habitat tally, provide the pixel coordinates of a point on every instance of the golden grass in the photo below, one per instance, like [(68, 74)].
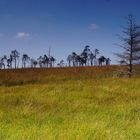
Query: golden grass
[(37, 75), (83, 103)]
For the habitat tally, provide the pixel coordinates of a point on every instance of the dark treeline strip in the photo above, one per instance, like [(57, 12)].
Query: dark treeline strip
[(87, 58)]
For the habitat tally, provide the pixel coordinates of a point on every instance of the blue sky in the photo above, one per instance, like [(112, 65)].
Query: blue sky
[(32, 26)]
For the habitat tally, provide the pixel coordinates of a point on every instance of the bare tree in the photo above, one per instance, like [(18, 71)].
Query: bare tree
[(61, 63), (96, 52), (73, 57), (107, 61), (15, 57), (45, 60), (85, 54), (130, 44), (2, 65), (91, 58), (25, 59), (40, 61), (69, 60), (33, 63), (52, 61), (2, 61), (101, 60), (9, 62)]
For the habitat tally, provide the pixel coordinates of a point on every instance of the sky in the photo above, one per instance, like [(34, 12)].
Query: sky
[(34, 26)]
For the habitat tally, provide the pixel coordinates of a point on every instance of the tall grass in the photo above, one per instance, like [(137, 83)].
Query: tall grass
[(31, 76), (69, 104)]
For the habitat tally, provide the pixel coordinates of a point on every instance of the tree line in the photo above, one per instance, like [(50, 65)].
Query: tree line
[(14, 60), (86, 58)]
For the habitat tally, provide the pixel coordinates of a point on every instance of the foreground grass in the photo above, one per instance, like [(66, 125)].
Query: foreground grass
[(74, 109)]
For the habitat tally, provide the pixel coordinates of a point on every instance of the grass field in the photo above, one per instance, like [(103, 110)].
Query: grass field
[(69, 104)]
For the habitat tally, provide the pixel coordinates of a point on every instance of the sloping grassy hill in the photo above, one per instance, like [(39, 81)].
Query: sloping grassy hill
[(69, 104)]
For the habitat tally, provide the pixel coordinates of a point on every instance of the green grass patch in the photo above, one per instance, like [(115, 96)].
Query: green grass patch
[(75, 108)]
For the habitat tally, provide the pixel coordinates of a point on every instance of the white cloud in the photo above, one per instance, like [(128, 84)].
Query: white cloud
[(94, 26), (21, 35)]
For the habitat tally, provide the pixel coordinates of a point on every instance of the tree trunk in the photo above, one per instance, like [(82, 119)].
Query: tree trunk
[(15, 63)]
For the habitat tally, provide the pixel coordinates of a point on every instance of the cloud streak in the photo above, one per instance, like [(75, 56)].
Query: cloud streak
[(22, 35), (94, 26)]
